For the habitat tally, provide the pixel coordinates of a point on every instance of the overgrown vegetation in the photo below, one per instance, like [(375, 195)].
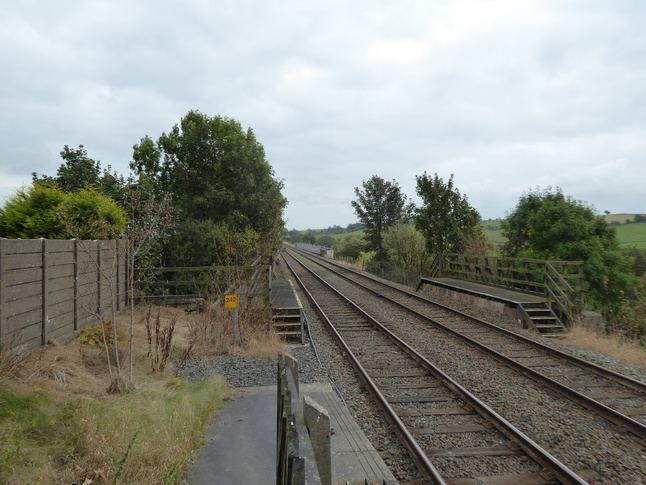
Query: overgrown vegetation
[(211, 333), (50, 437), (545, 224), (57, 424), (611, 344), (160, 339)]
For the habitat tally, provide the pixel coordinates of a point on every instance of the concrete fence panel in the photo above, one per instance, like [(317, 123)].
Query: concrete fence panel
[(51, 288)]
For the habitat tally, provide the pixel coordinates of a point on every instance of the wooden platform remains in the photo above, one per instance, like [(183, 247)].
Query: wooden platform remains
[(533, 311), (286, 311)]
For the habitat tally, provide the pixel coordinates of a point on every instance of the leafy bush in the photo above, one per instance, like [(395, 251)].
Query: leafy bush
[(548, 225), (41, 211), (93, 335), (31, 214)]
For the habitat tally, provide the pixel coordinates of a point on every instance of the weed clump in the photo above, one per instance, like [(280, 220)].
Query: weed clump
[(160, 339), (98, 335)]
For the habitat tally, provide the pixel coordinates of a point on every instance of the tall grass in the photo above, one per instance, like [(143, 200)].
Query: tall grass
[(212, 333), (145, 437)]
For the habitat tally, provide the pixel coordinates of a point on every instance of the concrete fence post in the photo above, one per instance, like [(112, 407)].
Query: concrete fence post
[(76, 285), (45, 292), (3, 310)]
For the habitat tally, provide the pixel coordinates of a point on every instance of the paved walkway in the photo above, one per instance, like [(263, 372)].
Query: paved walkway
[(241, 442)]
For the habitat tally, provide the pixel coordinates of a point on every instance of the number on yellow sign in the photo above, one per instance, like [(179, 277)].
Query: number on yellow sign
[(230, 301)]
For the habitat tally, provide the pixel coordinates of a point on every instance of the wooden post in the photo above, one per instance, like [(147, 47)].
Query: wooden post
[(268, 283)]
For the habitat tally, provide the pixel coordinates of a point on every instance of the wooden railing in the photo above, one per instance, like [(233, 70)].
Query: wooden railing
[(172, 284), (560, 294), (561, 282)]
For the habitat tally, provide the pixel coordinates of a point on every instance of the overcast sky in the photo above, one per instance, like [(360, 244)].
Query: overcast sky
[(506, 95)]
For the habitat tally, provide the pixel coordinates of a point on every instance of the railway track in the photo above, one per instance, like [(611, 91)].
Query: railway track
[(452, 436), (617, 398)]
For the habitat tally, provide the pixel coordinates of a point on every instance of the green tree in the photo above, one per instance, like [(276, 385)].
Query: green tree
[(405, 246), (445, 218), (216, 172), (545, 224), (352, 248), (308, 237), (633, 322), (78, 171), (194, 243), (326, 240), (379, 205)]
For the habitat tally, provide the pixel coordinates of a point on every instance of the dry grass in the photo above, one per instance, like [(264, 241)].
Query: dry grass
[(211, 333), (613, 345), (59, 425)]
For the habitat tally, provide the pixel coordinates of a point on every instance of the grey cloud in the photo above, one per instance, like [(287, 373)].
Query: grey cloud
[(549, 93)]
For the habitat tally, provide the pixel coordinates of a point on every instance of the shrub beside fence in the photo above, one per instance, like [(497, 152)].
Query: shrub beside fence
[(52, 288)]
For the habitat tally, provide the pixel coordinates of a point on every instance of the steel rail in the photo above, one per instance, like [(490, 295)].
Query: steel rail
[(608, 373), (318, 358), (626, 423), (426, 468), (532, 449)]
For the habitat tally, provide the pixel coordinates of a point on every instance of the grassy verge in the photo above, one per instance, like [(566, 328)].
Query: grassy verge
[(147, 436), (611, 345), (59, 425)]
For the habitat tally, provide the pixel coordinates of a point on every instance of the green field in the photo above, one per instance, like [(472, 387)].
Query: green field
[(629, 235), (619, 218), (632, 235)]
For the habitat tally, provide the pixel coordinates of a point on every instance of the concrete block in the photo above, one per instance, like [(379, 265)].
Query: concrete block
[(317, 421), (592, 319)]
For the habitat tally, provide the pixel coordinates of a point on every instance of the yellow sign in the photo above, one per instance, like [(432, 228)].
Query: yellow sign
[(231, 301)]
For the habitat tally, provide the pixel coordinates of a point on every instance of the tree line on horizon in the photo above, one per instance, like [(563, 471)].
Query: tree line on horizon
[(545, 224)]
